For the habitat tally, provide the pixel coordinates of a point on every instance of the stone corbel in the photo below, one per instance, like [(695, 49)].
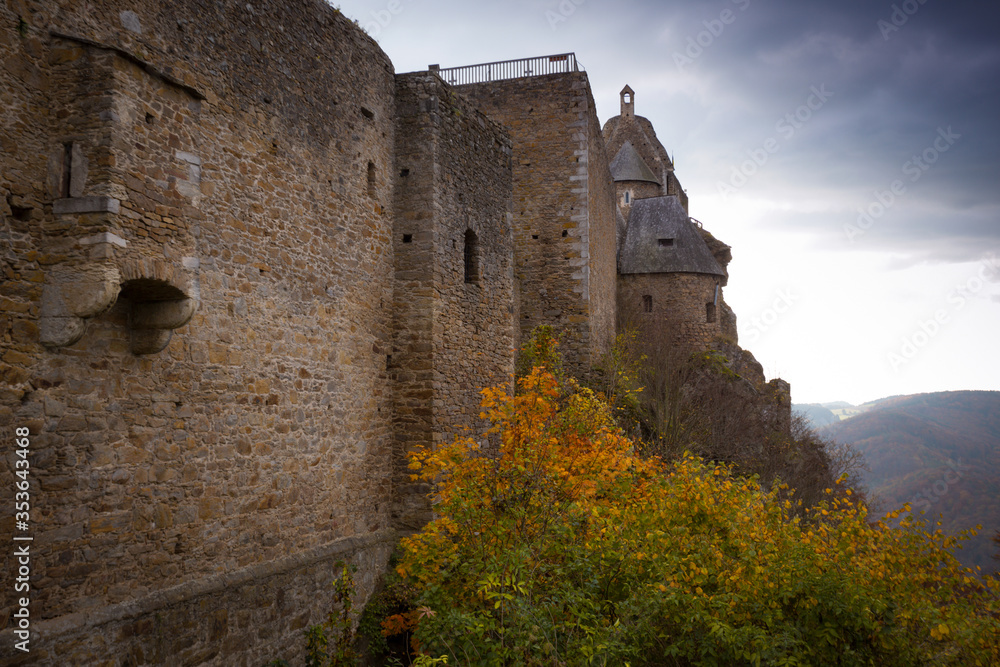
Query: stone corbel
[(152, 323), (160, 298), (71, 296)]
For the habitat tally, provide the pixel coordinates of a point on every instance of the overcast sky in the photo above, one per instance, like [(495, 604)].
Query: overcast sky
[(848, 150)]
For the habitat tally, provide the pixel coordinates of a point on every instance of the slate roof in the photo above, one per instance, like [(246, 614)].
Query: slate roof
[(664, 218), (628, 165)]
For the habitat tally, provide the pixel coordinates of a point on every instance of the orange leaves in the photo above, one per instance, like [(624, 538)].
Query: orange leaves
[(397, 623), (405, 622), (566, 526)]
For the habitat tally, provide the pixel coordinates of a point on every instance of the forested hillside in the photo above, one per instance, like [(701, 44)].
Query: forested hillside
[(941, 453)]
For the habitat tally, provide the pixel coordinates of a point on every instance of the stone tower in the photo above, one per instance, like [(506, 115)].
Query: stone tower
[(671, 271), (564, 211), (637, 130), (633, 178)]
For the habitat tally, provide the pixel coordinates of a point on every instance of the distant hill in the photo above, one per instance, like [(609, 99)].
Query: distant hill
[(941, 453), (821, 414), (817, 413)]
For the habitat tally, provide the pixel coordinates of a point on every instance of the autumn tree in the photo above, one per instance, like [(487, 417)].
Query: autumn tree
[(566, 547)]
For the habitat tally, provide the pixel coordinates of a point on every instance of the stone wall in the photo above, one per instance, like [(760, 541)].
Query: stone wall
[(564, 218), (212, 180), (679, 307), (603, 251), (636, 190), (454, 301), (244, 618)]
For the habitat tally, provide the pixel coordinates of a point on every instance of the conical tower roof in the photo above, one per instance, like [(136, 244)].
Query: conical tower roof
[(628, 165), (662, 239)]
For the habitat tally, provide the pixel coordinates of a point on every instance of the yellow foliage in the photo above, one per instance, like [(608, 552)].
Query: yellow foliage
[(565, 538)]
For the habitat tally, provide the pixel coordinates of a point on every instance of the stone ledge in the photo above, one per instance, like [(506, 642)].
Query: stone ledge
[(148, 604), (86, 205), (105, 237)]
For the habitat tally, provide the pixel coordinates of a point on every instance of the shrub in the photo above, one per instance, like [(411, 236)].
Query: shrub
[(331, 644), (566, 548)]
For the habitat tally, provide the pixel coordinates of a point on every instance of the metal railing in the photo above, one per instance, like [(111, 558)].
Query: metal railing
[(509, 69)]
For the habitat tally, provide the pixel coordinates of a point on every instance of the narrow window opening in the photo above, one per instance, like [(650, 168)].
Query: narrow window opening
[(666, 243), (407, 238), (628, 98), (67, 171), (471, 257), (565, 233), (710, 312), (534, 236), (627, 196), (371, 179), (404, 173), (647, 303)]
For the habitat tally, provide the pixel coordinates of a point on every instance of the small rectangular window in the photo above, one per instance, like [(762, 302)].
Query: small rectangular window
[(647, 303), (471, 257), (710, 312), (666, 243), (407, 238), (67, 171)]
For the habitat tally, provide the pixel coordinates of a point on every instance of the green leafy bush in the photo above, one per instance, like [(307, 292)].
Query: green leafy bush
[(566, 548)]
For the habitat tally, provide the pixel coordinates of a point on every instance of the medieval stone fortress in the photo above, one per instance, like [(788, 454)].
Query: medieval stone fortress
[(246, 266)]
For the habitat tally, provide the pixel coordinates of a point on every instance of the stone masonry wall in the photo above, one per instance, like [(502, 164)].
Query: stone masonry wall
[(454, 311), (561, 266), (636, 190), (638, 130), (229, 202), (679, 311), (602, 213)]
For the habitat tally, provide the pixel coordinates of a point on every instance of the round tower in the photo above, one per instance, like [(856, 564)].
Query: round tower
[(633, 178), (628, 127)]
